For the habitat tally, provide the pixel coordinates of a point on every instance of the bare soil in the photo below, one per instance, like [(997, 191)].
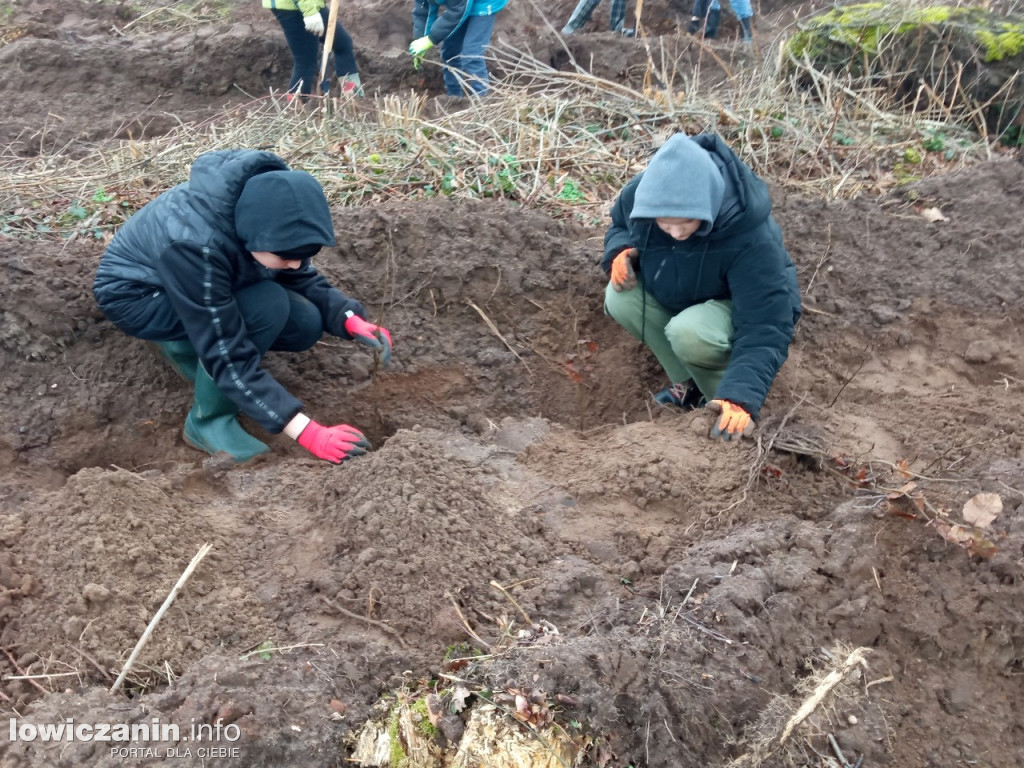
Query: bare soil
[(700, 590)]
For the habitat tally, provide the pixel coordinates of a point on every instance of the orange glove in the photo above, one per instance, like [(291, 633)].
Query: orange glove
[(623, 276), (734, 421)]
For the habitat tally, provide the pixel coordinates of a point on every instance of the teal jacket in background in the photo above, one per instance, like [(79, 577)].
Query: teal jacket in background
[(429, 20)]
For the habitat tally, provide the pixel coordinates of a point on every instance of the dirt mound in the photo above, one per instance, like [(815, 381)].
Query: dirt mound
[(691, 594)]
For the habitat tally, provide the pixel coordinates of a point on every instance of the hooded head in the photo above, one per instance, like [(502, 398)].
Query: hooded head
[(284, 212), (681, 181)]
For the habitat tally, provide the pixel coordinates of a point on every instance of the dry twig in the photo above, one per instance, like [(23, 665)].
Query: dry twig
[(372, 622), (203, 552)]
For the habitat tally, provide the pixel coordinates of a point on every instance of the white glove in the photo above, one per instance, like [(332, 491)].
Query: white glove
[(314, 24)]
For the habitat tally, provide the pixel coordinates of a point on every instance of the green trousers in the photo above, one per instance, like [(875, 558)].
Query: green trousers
[(694, 344)]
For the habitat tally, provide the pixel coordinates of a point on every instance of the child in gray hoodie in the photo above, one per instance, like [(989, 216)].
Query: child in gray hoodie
[(698, 272)]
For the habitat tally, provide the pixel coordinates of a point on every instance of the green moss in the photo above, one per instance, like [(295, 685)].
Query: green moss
[(999, 45), (863, 26), (397, 755), (461, 651), (421, 717)]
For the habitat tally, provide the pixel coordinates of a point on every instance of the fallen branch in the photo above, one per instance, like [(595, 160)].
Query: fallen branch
[(203, 551), (497, 333), (92, 661), (497, 586), (21, 671), (465, 623)]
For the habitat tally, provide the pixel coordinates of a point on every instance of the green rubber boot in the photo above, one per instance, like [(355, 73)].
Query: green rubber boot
[(181, 356), (212, 424)]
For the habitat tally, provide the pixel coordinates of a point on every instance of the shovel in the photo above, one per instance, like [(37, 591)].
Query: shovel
[(332, 22)]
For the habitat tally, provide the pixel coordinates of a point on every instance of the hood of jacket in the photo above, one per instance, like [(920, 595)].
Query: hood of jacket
[(206, 211), (283, 210), (700, 177)]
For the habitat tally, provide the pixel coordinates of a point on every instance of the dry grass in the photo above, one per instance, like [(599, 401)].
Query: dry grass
[(175, 16), (562, 141)]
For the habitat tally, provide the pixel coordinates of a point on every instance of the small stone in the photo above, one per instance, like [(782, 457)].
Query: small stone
[(359, 367), (452, 727), (96, 593), (981, 351), (73, 627), (883, 313)]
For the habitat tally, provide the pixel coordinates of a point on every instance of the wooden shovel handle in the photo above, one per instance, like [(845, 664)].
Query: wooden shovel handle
[(332, 22)]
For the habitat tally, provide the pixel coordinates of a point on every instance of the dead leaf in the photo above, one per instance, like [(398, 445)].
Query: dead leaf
[(894, 509), (954, 532), (459, 696), (435, 708), (982, 508), (522, 707), (903, 469), (604, 755), (905, 490), (933, 215), (337, 706), (970, 539)]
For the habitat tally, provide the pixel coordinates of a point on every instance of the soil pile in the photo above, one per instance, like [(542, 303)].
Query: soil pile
[(529, 521)]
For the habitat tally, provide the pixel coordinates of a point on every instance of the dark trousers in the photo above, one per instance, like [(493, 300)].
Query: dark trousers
[(305, 50), (463, 55), (275, 318)]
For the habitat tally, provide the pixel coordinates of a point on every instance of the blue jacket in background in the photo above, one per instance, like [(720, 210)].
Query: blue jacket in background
[(428, 19)]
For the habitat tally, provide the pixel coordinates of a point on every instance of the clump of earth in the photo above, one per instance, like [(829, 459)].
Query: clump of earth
[(529, 522)]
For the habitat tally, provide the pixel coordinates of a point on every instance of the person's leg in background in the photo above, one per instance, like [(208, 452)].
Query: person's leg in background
[(580, 16), (345, 68), (451, 59), (477, 32), (701, 338), (275, 318), (617, 15), (714, 15), (645, 320), (692, 346), (698, 15), (303, 328), (745, 15), (304, 47)]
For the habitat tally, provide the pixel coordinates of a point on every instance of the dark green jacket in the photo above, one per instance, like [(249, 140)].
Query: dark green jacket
[(740, 257)]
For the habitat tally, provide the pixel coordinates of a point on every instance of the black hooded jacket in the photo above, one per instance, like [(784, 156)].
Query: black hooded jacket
[(740, 257), (193, 244)]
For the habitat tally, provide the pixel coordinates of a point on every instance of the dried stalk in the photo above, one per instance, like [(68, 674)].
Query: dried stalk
[(203, 552)]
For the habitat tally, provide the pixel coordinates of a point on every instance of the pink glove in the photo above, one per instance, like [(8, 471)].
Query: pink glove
[(333, 444), (371, 335)]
